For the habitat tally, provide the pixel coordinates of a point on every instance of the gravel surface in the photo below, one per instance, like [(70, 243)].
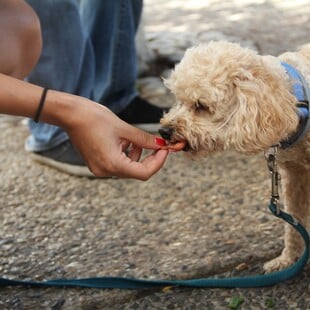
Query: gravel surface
[(193, 219)]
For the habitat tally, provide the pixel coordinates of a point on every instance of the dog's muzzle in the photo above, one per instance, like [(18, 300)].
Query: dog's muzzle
[(166, 132)]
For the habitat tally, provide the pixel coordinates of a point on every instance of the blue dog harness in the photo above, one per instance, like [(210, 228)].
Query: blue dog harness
[(302, 93)]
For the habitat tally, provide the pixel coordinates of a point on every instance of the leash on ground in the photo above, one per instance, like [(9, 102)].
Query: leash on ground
[(133, 283)]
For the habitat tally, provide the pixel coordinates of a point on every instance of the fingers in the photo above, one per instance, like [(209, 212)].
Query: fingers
[(141, 138), (155, 161), (142, 170), (135, 153), (128, 166)]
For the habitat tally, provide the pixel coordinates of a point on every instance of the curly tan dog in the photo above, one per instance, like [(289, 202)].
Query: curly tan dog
[(228, 97)]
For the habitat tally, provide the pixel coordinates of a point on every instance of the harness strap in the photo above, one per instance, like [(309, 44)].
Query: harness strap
[(299, 86), (240, 282), (302, 93)]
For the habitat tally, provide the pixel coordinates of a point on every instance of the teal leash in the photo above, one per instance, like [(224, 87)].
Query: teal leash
[(133, 283)]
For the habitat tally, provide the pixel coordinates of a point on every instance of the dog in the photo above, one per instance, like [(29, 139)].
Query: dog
[(231, 98)]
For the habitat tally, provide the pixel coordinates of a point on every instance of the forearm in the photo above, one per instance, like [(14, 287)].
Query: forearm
[(22, 99)]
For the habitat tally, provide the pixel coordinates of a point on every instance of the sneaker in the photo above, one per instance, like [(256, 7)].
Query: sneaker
[(63, 157), (142, 114)]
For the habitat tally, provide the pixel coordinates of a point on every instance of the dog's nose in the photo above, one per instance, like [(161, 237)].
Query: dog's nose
[(165, 132)]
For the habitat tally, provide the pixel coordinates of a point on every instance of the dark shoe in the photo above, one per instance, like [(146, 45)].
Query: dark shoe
[(65, 158), (142, 114)]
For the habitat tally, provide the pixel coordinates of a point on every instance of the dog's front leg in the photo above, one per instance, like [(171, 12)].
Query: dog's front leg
[(295, 182)]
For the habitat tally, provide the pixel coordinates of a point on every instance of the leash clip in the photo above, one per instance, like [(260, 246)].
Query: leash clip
[(271, 157)]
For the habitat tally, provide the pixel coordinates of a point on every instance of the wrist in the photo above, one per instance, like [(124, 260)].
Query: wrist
[(59, 109)]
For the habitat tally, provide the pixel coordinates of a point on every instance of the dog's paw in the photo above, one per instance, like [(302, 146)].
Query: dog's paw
[(278, 263)]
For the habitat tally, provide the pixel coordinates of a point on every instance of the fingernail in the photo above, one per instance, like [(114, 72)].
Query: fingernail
[(160, 141)]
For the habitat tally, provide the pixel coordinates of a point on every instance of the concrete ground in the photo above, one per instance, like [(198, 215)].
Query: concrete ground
[(193, 219)]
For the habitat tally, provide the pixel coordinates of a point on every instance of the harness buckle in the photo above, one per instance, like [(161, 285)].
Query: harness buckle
[(271, 157)]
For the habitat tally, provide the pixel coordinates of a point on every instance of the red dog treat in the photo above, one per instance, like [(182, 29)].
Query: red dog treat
[(176, 147)]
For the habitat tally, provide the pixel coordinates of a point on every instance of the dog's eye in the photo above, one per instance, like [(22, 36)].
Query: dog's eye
[(199, 107)]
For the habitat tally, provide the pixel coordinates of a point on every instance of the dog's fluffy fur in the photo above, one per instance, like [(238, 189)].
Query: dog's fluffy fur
[(229, 97)]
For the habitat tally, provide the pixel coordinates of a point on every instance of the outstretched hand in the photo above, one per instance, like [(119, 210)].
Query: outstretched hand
[(110, 146)]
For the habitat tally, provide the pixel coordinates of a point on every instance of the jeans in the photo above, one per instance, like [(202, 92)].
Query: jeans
[(88, 50)]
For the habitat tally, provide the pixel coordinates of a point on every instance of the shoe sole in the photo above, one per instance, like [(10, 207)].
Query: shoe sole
[(81, 171)]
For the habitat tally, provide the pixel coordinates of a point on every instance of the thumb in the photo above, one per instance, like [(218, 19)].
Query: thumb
[(143, 139)]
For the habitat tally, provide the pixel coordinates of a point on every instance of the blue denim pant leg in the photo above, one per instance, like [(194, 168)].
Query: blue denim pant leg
[(112, 25), (88, 51)]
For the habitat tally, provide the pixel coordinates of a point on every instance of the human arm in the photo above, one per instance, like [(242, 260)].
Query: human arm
[(99, 135)]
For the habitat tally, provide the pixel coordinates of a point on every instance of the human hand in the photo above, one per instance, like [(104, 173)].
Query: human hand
[(110, 146)]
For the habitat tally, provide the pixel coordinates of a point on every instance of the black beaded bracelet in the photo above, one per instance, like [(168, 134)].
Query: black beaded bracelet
[(41, 104)]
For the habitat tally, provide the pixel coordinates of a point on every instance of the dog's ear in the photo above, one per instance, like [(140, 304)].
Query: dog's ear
[(262, 117)]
